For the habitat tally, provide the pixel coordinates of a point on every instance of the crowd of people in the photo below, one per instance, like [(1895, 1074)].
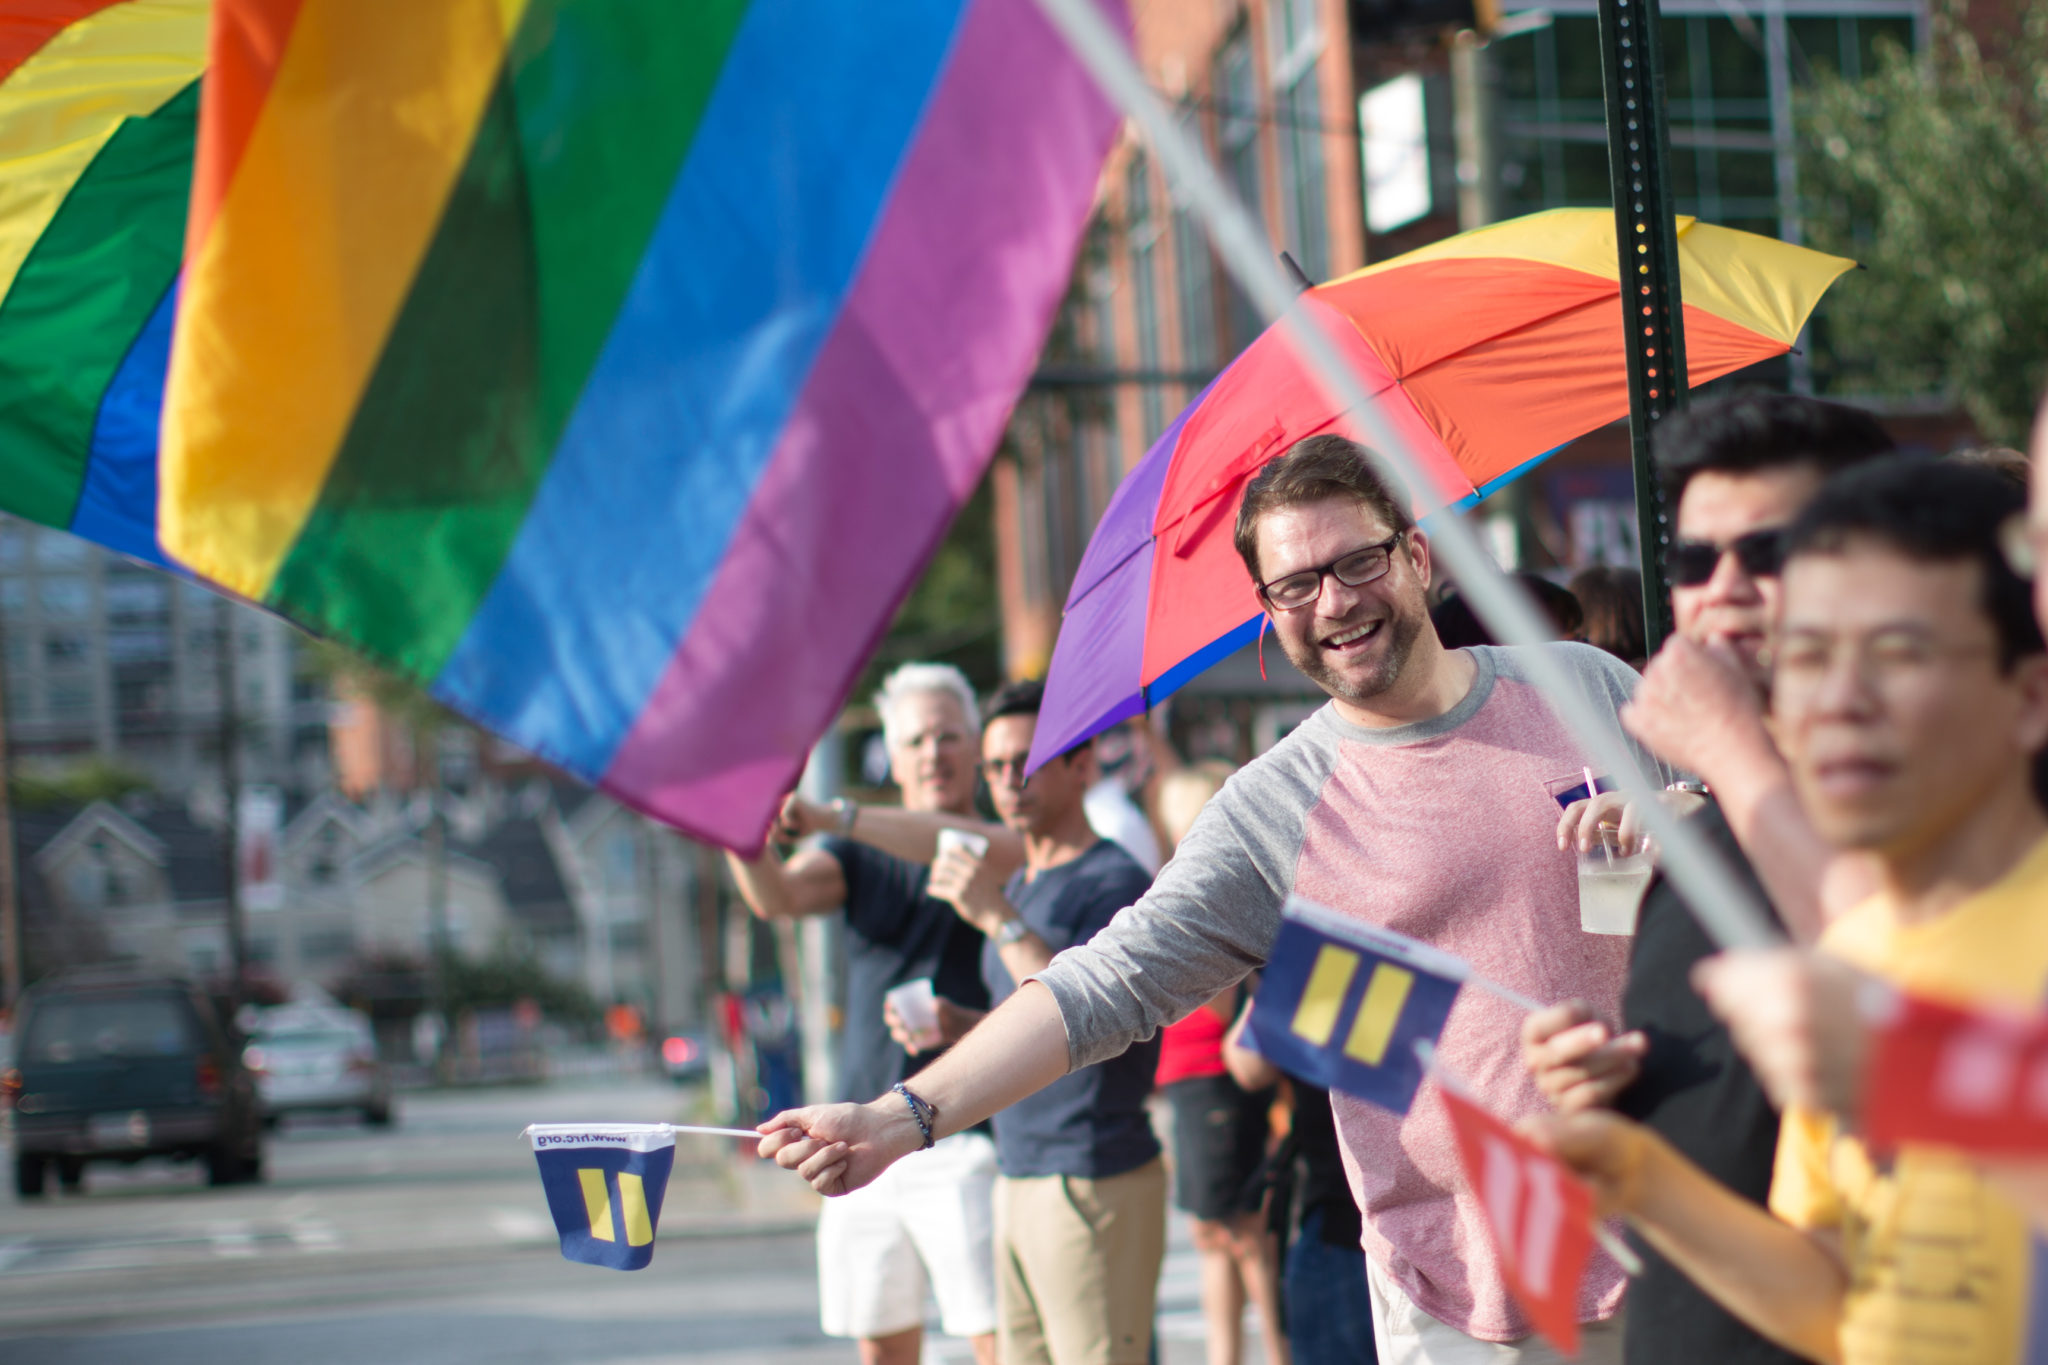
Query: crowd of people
[(1852, 710)]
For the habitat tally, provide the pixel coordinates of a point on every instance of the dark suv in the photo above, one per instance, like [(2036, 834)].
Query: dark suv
[(112, 1066)]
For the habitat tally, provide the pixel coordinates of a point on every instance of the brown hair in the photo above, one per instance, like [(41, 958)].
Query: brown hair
[(1612, 599), (1315, 469)]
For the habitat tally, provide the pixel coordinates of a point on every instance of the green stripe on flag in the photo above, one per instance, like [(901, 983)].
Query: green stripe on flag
[(83, 295), (512, 305)]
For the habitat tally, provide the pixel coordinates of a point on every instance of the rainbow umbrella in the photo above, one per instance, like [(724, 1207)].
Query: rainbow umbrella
[(1488, 350)]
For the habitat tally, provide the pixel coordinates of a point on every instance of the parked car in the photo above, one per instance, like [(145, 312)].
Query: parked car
[(118, 1066), (309, 1058)]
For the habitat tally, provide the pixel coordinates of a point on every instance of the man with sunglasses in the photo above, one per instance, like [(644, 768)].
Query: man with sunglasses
[(1740, 469), (1417, 800)]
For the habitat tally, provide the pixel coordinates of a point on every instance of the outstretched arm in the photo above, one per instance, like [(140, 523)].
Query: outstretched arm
[(810, 883), (907, 834), (1017, 1051), (1788, 1284)]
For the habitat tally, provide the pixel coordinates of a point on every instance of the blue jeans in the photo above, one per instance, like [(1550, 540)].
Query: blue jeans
[(1329, 1316)]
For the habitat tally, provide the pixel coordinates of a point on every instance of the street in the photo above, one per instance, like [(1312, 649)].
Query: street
[(429, 1242)]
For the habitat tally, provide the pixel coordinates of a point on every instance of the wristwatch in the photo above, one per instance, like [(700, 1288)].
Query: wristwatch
[(1013, 929), (846, 811)]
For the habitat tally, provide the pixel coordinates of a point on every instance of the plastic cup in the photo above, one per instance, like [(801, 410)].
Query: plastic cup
[(966, 840), (917, 1006), (1611, 885)]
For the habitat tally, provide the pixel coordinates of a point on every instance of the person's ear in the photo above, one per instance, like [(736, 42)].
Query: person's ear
[(1418, 554), (2031, 726)]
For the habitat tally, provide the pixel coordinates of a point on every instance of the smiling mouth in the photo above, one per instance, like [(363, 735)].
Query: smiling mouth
[(1347, 641)]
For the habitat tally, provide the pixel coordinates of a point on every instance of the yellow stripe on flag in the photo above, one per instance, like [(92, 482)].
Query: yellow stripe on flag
[(1315, 1018), (597, 1203), (1378, 1013), (633, 1205), (58, 108), (289, 301)]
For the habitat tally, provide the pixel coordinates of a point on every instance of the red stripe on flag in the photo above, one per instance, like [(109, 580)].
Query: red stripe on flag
[(243, 53), (26, 25)]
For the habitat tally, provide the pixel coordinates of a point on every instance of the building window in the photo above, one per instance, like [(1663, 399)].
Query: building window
[(1722, 83), (64, 647), (69, 697), (13, 547), (1141, 235), (326, 945), (629, 938), (132, 598), (1237, 124), (68, 598), (56, 550), (1297, 43)]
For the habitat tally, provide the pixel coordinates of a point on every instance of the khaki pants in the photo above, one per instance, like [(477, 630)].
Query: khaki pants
[(1406, 1335), (1077, 1267)]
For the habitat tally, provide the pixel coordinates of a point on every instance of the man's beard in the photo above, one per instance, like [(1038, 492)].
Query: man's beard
[(1402, 631)]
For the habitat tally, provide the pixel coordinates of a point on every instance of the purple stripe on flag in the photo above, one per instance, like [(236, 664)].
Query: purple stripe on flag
[(1093, 681), (893, 429)]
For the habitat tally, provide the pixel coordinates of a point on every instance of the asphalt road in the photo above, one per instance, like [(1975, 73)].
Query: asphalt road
[(427, 1243)]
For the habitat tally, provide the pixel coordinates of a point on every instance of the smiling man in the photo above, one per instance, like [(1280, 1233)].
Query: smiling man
[(1415, 800)]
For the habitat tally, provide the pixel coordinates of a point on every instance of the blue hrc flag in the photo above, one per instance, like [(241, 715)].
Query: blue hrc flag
[(604, 1183), (1343, 1003)]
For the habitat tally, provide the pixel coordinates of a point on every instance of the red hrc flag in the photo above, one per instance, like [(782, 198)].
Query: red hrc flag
[(1540, 1215), (1971, 1079)]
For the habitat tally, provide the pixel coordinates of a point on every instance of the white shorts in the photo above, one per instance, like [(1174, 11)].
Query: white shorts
[(924, 1223), (1405, 1335)]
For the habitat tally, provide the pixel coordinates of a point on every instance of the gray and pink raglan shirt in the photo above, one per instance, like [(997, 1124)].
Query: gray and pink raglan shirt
[(1442, 830)]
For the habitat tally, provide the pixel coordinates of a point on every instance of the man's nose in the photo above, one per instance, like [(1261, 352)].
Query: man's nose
[(1335, 598), (1730, 581)]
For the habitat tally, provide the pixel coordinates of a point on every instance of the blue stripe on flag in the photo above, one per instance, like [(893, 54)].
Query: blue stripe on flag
[(117, 502), (760, 242)]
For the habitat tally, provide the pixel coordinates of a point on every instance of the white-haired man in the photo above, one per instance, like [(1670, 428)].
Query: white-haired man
[(929, 1222)]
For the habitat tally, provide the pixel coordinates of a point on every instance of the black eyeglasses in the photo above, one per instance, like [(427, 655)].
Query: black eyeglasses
[(1760, 553), (1354, 570)]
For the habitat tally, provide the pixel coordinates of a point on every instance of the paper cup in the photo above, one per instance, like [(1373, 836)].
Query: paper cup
[(976, 844), (917, 1005)]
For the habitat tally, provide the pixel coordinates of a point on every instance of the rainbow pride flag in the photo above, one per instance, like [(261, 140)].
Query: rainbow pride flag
[(99, 107), (613, 367)]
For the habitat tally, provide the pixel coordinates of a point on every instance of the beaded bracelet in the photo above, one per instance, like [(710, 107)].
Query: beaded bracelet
[(921, 1111)]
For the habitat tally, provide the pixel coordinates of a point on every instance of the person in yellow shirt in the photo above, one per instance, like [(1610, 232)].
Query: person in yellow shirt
[(1909, 695)]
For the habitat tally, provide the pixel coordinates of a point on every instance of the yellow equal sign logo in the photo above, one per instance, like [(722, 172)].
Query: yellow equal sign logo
[(1322, 1002), (597, 1205)]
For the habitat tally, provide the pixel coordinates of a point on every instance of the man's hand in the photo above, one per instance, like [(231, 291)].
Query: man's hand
[(1698, 710), (954, 1022), (1798, 1016), (838, 1148), (1578, 829), (1575, 1060), (1607, 1151), (964, 880), (799, 819)]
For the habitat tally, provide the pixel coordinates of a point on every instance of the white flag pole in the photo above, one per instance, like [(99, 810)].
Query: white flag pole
[(1723, 907)]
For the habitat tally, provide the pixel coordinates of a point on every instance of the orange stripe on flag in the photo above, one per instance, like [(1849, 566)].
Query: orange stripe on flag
[(243, 53), (25, 29)]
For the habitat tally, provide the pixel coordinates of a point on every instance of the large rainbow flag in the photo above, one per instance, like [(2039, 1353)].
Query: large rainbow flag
[(614, 366), (99, 105)]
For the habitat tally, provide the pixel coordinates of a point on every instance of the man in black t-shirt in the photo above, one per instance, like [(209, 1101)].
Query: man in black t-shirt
[(931, 1224), (1739, 468)]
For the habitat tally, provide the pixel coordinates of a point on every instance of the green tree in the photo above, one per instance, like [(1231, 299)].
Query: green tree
[(1933, 173)]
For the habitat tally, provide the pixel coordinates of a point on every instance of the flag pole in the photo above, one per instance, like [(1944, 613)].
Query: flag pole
[(1725, 910)]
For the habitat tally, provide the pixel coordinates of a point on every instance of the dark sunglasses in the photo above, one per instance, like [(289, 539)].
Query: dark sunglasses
[(1760, 553)]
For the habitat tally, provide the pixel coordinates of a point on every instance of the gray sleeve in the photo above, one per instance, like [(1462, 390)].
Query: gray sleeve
[(1209, 918), (1609, 684)]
